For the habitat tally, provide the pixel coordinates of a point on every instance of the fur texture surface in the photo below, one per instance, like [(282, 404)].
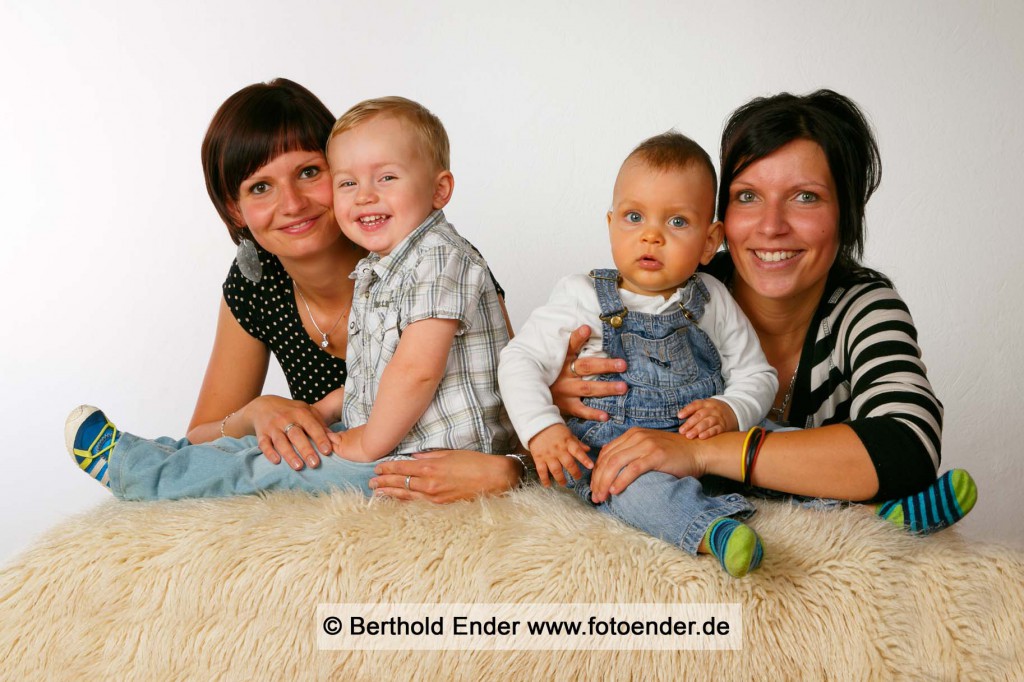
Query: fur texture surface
[(227, 589)]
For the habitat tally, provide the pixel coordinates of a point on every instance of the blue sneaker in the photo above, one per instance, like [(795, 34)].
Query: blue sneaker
[(90, 437)]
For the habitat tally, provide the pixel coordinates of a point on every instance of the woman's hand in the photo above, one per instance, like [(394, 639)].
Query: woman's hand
[(641, 450), (568, 388), (284, 429), (443, 476)]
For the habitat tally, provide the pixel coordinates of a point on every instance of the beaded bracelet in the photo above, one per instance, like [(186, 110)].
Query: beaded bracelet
[(223, 423)]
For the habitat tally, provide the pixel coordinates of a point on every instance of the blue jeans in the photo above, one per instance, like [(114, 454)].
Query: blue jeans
[(676, 510), (168, 469)]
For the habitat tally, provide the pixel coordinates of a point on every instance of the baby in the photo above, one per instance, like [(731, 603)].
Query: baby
[(685, 342), (425, 333)]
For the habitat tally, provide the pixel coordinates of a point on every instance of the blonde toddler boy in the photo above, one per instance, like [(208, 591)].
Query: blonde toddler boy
[(425, 333)]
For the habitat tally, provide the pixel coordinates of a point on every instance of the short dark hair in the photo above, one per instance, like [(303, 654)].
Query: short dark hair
[(253, 126), (672, 150), (827, 118)]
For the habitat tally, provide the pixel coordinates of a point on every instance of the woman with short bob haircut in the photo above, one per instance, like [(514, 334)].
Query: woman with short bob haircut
[(288, 293)]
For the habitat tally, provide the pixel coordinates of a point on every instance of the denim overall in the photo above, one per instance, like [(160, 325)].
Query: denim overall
[(670, 363)]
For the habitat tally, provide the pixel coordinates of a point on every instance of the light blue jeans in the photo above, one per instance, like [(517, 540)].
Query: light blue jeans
[(676, 510), (168, 469)]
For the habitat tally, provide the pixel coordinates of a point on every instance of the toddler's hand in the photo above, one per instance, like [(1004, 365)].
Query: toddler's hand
[(706, 418), (349, 445), (555, 449)]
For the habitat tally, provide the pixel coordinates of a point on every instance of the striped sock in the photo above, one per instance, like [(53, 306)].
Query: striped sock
[(736, 546), (941, 504)]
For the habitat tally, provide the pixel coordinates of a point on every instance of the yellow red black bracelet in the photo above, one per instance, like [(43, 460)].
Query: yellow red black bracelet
[(757, 453), (743, 454), (751, 446)]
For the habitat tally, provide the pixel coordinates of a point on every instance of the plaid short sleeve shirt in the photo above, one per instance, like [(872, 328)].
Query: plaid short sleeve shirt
[(432, 273)]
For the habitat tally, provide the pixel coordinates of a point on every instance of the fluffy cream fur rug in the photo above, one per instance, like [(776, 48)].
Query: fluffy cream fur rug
[(228, 589)]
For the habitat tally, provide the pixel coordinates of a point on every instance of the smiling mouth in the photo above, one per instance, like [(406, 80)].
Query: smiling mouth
[(372, 220), (300, 225), (775, 256)]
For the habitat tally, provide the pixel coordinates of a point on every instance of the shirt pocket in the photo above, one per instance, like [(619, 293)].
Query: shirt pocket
[(387, 334), (665, 363)]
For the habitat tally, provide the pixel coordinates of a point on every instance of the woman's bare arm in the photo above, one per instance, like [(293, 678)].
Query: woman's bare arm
[(829, 461), (234, 376), (232, 385)]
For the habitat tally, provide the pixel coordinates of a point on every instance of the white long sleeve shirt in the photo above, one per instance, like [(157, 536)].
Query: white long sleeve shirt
[(534, 358)]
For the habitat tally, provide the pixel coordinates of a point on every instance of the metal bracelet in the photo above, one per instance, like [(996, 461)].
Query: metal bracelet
[(529, 467), (223, 423)]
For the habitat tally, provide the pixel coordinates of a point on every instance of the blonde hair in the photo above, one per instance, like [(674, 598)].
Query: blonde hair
[(428, 126)]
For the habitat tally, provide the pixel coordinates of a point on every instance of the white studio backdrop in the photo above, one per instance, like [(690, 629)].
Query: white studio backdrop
[(112, 256)]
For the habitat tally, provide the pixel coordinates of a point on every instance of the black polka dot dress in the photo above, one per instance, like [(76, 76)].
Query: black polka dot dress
[(267, 311)]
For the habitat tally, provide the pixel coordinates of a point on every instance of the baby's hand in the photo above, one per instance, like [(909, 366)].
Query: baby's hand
[(706, 418), (555, 449)]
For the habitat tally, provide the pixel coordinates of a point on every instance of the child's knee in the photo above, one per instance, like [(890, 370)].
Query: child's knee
[(645, 496)]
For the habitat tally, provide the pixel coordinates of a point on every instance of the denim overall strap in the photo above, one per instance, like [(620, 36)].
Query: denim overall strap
[(693, 297), (606, 284)]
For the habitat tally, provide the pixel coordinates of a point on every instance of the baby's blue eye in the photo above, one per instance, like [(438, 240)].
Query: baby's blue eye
[(677, 221), (633, 217), (388, 178), (346, 183)]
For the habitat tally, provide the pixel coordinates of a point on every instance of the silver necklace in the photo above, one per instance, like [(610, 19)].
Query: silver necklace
[(326, 342), (776, 413)]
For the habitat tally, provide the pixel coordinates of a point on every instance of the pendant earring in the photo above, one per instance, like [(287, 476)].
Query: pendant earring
[(248, 259)]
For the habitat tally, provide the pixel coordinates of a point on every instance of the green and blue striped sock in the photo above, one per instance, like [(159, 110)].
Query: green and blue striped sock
[(736, 546), (941, 504)]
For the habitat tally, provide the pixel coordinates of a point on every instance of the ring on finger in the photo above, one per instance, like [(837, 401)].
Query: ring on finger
[(289, 427), (407, 479), (572, 368)]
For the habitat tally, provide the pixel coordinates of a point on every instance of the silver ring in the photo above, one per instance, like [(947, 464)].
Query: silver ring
[(407, 478), (289, 427), (572, 368)]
